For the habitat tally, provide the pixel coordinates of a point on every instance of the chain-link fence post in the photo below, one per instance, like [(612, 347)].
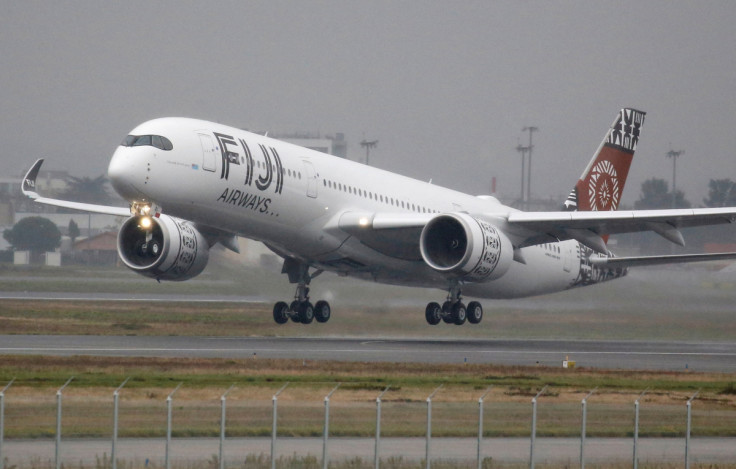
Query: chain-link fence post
[(636, 428), (427, 455), (687, 433), (378, 427), (222, 427), (58, 423), (115, 398), (2, 421), (326, 434), (534, 427), (584, 404), (274, 400), (480, 426), (168, 426)]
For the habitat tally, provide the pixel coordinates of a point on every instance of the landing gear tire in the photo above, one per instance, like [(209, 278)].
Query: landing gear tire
[(459, 313), (281, 312), (475, 312), (433, 313), (322, 311), (306, 312)]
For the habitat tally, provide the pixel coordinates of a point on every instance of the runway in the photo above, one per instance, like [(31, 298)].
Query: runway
[(632, 355)]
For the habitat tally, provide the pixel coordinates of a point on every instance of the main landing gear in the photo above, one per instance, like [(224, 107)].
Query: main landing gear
[(301, 309), (453, 311)]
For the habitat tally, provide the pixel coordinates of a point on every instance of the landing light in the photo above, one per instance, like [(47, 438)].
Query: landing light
[(363, 221), (146, 222)]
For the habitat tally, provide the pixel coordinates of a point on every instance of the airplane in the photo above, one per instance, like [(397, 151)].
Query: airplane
[(191, 184)]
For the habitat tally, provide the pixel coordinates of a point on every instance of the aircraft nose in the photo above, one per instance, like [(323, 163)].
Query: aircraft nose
[(121, 173)]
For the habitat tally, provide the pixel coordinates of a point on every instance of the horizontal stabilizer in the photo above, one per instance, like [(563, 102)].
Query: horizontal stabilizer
[(620, 262)]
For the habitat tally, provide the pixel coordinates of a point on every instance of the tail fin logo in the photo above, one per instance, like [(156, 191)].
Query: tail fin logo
[(625, 133), (602, 182), (604, 191)]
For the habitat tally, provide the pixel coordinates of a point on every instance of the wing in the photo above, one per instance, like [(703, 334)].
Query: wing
[(620, 262), (393, 234), (29, 189), (588, 227), (397, 234)]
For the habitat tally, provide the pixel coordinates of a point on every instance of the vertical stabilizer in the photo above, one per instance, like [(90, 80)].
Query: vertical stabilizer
[(602, 183)]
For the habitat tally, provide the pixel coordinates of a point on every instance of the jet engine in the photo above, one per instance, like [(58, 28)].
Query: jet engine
[(465, 247), (164, 248)]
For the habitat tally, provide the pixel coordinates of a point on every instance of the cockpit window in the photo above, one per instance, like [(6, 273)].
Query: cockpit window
[(142, 141), (158, 141)]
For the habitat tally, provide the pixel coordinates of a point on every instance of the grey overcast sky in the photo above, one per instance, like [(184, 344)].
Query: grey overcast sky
[(445, 86)]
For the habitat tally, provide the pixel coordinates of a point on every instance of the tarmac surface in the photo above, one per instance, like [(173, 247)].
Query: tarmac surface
[(632, 355), (669, 450)]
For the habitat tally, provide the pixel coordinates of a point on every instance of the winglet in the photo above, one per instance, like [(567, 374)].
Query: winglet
[(28, 187), (29, 182)]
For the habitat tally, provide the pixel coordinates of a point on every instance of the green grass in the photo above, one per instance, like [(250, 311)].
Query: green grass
[(30, 402), (687, 305), (663, 306)]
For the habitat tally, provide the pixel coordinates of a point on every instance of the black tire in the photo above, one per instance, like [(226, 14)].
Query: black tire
[(322, 311), (306, 312), (280, 312), (475, 312), (459, 313), (433, 313)]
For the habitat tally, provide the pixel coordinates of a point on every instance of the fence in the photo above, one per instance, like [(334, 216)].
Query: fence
[(429, 456)]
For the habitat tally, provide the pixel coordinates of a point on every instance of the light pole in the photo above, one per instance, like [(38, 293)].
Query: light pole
[(368, 145), (531, 129), (523, 150), (674, 155)]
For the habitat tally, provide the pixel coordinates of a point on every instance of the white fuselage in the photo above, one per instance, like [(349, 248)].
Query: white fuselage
[(291, 198)]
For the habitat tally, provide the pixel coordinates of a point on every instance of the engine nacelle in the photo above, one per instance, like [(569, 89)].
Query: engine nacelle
[(465, 247), (164, 248)]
